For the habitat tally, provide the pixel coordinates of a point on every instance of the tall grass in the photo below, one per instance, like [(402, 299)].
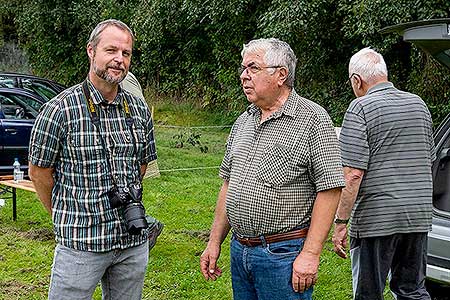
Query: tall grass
[(183, 200)]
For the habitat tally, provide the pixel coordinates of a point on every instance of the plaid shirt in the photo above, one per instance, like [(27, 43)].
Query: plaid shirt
[(276, 168), (64, 138)]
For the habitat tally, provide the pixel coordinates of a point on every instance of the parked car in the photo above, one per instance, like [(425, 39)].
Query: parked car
[(433, 36), (45, 88), (18, 111)]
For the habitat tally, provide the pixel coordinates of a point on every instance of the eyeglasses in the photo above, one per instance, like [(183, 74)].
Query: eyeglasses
[(353, 74), (253, 69), (349, 80)]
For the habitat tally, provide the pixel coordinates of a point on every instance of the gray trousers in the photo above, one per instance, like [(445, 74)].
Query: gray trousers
[(75, 273), (405, 255)]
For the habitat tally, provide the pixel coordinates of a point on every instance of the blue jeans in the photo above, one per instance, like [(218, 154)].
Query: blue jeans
[(75, 273), (265, 272)]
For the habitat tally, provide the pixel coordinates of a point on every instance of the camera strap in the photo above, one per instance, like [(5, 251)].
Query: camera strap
[(96, 121)]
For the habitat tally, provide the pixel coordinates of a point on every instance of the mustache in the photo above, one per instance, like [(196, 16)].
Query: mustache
[(115, 66)]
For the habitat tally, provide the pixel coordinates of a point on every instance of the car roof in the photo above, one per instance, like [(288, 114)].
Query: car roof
[(432, 36), (29, 76)]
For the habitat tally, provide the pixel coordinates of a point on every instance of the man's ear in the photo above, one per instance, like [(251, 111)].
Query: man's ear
[(90, 51), (358, 81), (359, 86), (282, 75)]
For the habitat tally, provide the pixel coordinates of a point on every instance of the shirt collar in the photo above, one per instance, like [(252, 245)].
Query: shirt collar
[(379, 87), (97, 97), (288, 108)]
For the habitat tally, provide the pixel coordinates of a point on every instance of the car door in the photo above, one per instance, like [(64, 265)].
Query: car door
[(433, 36), (16, 121)]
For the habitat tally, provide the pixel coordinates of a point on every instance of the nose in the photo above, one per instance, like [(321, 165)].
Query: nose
[(119, 57), (245, 74)]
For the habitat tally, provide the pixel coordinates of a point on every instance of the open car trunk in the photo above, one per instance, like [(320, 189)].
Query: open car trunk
[(433, 36)]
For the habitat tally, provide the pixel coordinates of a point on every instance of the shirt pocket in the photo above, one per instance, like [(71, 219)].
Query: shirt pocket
[(86, 149), (275, 165), (128, 144)]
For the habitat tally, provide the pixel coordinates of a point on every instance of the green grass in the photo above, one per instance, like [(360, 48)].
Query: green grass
[(184, 201)]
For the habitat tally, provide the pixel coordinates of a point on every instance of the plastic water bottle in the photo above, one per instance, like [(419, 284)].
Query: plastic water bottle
[(16, 166)]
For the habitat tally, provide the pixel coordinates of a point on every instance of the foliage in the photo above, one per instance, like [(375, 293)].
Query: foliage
[(190, 137), (190, 49)]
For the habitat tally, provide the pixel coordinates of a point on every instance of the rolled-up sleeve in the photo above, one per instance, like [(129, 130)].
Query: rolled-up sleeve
[(45, 140)]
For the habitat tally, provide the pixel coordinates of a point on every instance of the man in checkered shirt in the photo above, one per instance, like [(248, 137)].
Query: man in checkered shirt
[(282, 177), (79, 157)]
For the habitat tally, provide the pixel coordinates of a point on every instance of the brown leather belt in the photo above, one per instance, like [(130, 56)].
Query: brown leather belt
[(273, 238)]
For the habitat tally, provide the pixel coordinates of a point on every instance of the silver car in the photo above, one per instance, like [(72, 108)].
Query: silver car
[(433, 36)]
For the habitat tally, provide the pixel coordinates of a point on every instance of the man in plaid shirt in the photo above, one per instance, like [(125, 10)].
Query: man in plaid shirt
[(91, 141), (282, 177)]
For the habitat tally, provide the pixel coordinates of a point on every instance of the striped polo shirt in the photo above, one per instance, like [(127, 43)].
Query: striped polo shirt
[(65, 138), (276, 168), (388, 134)]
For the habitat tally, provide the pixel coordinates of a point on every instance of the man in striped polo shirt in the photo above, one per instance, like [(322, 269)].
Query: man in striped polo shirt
[(281, 174), (387, 152), (89, 149)]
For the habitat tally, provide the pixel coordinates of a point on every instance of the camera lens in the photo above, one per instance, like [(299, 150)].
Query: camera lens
[(134, 214)]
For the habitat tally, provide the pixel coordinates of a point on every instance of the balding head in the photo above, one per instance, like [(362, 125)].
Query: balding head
[(369, 65)]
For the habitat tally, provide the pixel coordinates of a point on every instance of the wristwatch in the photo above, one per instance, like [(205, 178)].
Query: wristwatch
[(341, 221)]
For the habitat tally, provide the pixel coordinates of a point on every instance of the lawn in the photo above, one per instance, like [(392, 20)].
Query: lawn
[(183, 200)]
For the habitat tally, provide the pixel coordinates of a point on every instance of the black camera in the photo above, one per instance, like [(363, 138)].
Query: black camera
[(130, 198)]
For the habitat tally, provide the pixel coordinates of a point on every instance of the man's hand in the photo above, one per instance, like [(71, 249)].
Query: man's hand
[(340, 239), (304, 271), (208, 262)]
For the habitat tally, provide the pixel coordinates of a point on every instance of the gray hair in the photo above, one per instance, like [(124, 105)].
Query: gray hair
[(277, 53), (94, 38), (368, 64)]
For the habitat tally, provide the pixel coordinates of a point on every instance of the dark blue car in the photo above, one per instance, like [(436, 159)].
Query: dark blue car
[(21, 97), (18, 110)]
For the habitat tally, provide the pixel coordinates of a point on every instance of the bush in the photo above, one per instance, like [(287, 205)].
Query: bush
[(191, 49)]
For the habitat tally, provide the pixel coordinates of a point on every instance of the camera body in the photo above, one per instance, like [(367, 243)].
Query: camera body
[(130, 198)]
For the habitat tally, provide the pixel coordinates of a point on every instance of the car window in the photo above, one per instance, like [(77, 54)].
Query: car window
[(41, 88), (18, 107), (7, 82)]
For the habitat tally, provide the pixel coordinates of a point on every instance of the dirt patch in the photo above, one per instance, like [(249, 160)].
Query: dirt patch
[(15, 288), (41, 234), (202, 235)]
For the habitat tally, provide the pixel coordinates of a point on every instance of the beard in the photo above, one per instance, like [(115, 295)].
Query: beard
[(104, 74)]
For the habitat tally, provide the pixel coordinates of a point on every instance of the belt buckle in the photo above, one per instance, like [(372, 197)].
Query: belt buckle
[(246, 241)]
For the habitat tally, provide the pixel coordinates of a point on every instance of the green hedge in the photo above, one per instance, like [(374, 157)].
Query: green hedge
[(191, 49)]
